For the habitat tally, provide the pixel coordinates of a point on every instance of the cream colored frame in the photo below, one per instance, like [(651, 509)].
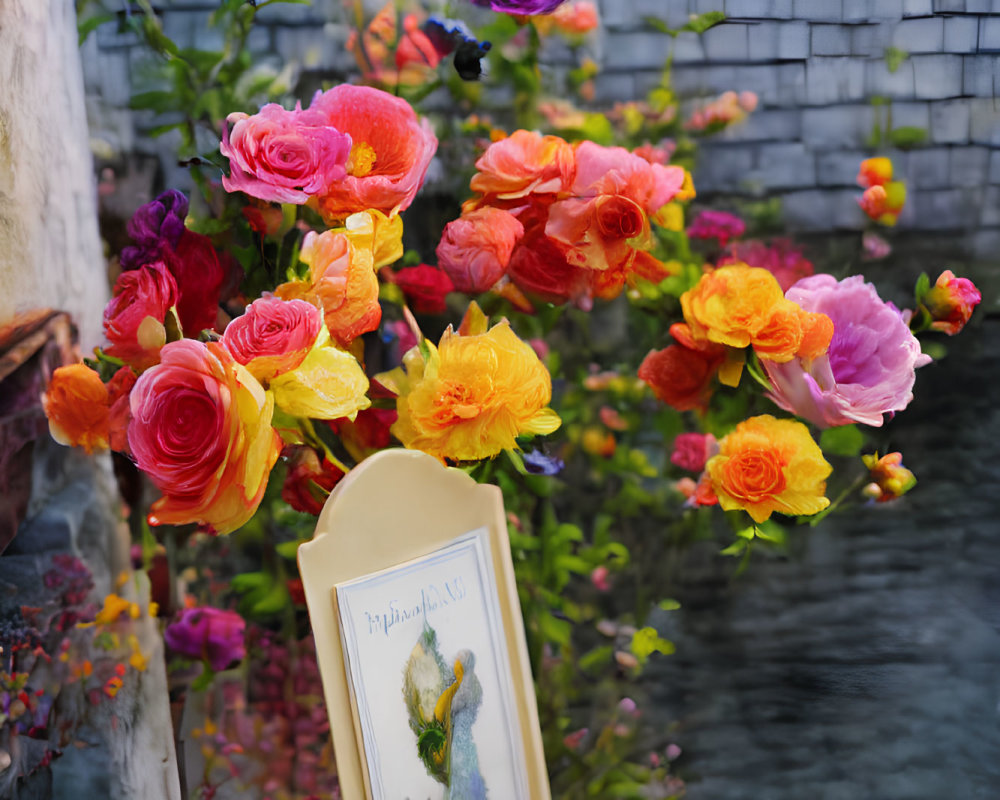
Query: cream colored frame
[(395, 506)]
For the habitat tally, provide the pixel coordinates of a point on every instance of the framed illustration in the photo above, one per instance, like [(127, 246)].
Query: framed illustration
[(419, 637)]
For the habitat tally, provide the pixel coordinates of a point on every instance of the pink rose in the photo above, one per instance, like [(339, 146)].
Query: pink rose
[(868, 370), (950, 302), (284, 156), (475, 248), (133, 318), (201, 429), (390, 151), (692, 450), (273, 335)]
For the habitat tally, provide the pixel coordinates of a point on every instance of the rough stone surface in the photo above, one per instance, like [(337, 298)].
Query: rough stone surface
[(815, 65)]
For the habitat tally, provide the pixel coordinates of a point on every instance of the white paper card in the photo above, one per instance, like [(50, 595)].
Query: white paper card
[(430, 679)]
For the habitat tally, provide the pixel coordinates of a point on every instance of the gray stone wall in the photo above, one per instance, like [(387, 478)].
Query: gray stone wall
[(816, 65)]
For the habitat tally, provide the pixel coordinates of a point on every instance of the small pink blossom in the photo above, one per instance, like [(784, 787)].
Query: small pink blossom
[(599, 577), (718, 225), (692, 450)]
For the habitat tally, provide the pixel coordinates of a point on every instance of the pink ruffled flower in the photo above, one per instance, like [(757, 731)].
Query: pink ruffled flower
[(273, 335), (475, 249), (692, 450), (283, 156), (868, 370), (718, 225), (390, 151), (212, 634)]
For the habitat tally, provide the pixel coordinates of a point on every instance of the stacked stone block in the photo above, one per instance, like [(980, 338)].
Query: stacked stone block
[(816, 65)]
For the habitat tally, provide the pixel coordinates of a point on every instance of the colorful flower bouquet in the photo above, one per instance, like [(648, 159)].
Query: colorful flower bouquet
[(615, 372)]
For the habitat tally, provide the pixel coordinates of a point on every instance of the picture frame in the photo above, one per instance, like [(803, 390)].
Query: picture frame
[(398, 523)]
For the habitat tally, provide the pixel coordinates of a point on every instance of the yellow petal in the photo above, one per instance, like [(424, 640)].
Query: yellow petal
[(328, 384)]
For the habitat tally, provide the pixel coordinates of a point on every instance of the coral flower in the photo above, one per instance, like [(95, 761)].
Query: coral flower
[(342, 278), (868, 370), (283, 156), (475, 249), (201, 429), (76, 404), (425, 288), (890, 479), (950, 302), (273, 335), (212, 634), (767, 465), (523, 164), (390, 152), (874, 172), (615, 192), (884, 203), (473, 396)]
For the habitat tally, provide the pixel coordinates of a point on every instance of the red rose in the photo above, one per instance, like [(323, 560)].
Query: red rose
[(308, 481), (425, 288), (133, 318), (201, 277), (679, 376)]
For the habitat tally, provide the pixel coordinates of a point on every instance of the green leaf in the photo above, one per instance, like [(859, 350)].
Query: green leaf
[(668, 604), (894, 57), (647, 641), (208, 226), (88, 26), (659, 25), (553, 629), (288, 550), (907, 136), (153, 101), (771, 531), (922, 287), (844, 440), (703, 22), (735, 549)]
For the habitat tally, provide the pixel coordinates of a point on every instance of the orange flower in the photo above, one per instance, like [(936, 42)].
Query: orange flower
[(874, 172), (681, 377), (473, 395), (77, 406), (884, 203), (525, 163), (890, 479), (342, 279), (767, 465), (738, 306)]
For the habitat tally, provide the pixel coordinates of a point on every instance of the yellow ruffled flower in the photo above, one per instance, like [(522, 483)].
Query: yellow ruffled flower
[(767, 465), (328, 384), (472, 395)]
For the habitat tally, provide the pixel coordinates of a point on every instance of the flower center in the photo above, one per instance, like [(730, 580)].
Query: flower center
[(362, 159)]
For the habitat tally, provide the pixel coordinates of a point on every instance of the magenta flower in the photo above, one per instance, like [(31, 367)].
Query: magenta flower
[(521, 6), (716, 225), (212, 634), (868, 370)]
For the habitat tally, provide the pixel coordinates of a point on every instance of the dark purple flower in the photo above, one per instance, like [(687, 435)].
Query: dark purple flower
[(521, 6), (540, 464), (212, 634), (158, 223)]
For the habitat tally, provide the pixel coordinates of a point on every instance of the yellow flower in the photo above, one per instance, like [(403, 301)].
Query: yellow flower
[(472, 395), (328, 384), (767, 465)]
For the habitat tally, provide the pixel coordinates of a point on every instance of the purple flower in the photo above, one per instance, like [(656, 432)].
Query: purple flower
[(212, 634), (521, 6), (868, 370), (154, 225), (540, 464)]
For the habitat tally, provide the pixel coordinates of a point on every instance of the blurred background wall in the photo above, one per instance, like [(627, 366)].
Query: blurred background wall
[(826, 71)]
